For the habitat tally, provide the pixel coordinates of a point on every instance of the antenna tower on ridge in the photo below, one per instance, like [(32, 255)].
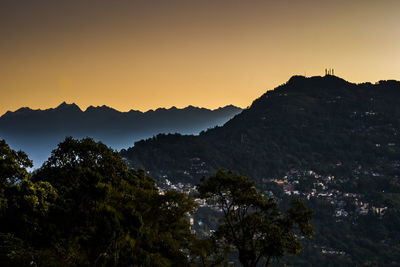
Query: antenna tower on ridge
[(329, 72)]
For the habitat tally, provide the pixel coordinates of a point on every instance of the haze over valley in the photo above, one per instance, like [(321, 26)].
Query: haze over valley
[(37, 132)]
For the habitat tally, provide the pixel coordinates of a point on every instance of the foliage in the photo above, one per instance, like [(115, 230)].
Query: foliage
[(252, 225), (23, 204), (84, 207)]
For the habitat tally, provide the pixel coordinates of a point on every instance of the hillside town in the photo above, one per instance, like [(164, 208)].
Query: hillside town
[(302, 184)]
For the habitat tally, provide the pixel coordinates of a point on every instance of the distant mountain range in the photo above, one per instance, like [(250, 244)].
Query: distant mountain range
[(37, 132)]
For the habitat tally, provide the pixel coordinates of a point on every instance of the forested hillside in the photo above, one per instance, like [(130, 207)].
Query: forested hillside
[(332, 143), (307, 123)]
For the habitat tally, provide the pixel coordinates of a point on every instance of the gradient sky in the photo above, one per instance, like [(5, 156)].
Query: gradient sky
[(210, 53)]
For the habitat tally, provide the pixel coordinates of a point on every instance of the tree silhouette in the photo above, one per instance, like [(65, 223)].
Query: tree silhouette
[(252, 225), (23, 205), (85, 207)]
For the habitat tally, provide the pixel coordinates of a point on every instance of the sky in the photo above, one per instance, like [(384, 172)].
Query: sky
[(209, 53)]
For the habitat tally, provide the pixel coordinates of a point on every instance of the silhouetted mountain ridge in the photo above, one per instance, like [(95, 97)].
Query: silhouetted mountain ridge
[(38, 130), (304, 123), (334, 144)]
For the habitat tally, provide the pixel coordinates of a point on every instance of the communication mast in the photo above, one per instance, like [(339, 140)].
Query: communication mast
[(329, 72)]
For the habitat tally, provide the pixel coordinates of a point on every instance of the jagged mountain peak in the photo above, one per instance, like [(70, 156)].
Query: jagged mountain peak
[(20, 111), (102, 108), (64, 106), (38, 131)]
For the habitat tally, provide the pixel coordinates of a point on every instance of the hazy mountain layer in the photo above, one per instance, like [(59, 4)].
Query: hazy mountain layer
[(37, 132)]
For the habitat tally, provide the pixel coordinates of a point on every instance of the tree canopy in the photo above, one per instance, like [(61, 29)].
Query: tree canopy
[(252, 225), (85, 207), (23, 203)]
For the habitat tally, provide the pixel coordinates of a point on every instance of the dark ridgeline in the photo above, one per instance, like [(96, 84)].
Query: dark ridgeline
[(37, 132), (347, 134), (307, 123)]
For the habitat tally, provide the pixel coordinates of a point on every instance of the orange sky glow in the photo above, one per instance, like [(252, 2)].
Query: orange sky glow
[(148, 54)]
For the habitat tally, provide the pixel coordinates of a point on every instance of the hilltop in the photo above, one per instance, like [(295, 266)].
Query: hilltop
[(311, 123), (332, 143)]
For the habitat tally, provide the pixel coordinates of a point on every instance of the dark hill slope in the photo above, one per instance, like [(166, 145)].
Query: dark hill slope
[(307, 123), (347, 134)]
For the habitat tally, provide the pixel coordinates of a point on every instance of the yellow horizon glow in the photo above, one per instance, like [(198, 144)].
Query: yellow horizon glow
[(144, 55)]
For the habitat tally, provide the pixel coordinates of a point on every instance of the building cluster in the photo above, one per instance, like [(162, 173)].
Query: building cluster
[(167, 185), (323, 187), (305, 184)]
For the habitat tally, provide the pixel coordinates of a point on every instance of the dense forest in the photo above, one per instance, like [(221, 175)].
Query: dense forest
[(332, 143), (85, 207)]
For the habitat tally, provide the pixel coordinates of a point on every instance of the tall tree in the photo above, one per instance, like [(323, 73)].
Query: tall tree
[(252, 225), (108, 214), (85, 207)]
